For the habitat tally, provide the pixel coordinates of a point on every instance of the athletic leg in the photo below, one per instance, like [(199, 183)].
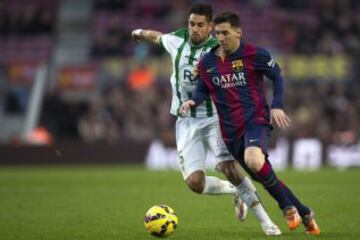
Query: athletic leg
[(246, 191), (192, 155)]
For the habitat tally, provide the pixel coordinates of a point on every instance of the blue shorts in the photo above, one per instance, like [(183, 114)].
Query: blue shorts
[(254, 135)]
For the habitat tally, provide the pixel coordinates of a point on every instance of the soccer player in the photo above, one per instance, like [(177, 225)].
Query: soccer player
[(198, 131), (232, 73)]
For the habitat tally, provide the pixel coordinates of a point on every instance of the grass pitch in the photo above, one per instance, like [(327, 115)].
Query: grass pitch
[(109, 202)]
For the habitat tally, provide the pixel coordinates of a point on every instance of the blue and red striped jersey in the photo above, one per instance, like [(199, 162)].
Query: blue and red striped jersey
[(236, 86)]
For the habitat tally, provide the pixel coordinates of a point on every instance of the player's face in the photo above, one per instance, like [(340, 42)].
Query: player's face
[(228, 37), (199, 28)]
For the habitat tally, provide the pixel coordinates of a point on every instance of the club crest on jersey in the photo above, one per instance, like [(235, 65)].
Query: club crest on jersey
[(237, 65)]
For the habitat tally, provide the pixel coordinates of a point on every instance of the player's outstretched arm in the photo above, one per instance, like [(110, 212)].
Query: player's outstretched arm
[(185, 107), (150, 36), (278, 116)]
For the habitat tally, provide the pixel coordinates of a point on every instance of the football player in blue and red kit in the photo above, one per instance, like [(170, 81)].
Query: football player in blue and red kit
[(232, 73)]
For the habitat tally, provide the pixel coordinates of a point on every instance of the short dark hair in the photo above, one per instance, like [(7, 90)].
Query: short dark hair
[(201, 8), (228, 17)]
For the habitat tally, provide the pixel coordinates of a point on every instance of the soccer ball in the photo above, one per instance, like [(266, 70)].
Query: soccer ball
[(160, 221)]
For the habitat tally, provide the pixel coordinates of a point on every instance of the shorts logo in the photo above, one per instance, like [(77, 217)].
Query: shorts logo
[(223, 155), (253, 140)]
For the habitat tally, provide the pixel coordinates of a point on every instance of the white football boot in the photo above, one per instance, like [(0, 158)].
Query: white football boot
[(271, 229), (241, 210)]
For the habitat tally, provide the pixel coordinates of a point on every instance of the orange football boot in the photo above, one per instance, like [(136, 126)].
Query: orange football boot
[(310, 224), (293, 218)]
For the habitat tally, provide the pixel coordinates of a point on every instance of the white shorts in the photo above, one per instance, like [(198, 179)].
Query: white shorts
[(194, 137)]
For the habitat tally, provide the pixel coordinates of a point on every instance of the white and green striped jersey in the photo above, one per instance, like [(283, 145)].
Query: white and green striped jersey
[(184, 57)]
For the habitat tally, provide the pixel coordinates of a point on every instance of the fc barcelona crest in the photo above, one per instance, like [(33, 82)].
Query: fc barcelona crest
[(237, 65)]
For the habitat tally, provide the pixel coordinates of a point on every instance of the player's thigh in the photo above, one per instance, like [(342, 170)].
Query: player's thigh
[(257, 136), (237, 149), (256, 140), (190, 146), (216, 144)]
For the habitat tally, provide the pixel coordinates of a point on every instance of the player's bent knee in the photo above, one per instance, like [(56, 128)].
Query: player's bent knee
[(229, 168), (254, 158), (232, 171), (222, 167), (196, 182)]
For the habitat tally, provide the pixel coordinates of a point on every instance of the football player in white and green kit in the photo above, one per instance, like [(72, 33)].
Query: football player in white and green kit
[(198, 131)]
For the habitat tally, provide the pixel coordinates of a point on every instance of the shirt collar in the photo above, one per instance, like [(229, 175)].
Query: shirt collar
[(238, 53), (201, 44)]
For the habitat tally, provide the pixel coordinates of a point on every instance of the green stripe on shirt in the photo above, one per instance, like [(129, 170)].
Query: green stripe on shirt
[(192, 55), (177, 62), (192, 109), (209, 108)]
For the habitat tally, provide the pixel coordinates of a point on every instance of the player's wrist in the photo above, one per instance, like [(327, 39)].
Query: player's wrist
[(277, 105), (138, 32)]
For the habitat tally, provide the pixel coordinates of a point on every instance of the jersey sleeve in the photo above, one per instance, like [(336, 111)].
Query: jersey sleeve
[(172, 41), (266, 65), (165, 41), (201, 91)]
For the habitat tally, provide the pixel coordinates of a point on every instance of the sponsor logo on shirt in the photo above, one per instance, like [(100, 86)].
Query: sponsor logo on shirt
[(189, 77), (230, 80)]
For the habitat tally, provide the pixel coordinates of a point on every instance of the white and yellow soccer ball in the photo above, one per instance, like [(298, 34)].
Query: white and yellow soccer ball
[(160, 221)]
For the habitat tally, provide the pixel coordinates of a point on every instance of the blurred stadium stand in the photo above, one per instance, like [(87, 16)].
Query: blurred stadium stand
[(101, 88)]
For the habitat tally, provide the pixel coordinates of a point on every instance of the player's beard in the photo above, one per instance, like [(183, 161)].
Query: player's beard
[(196, 38), (226, 48)]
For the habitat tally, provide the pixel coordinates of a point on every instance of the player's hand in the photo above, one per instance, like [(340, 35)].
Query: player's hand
[(136, 35), (185, 107), (280, 118), (195, 72)]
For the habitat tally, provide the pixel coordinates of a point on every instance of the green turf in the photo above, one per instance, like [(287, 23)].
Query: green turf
[(110, 202)]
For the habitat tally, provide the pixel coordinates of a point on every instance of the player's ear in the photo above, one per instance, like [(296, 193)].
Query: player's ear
[(239, 32), (211, 26)]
